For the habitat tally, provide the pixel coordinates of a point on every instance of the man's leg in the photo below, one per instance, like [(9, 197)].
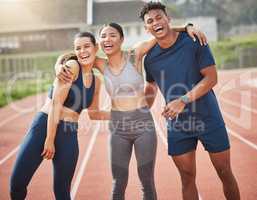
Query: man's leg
[(221, 162), (217, 144), (186, 165)]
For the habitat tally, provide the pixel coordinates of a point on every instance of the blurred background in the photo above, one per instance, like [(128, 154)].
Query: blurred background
[(34, 32)]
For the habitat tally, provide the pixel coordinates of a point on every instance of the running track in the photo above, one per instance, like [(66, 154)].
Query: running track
[(237, 94)]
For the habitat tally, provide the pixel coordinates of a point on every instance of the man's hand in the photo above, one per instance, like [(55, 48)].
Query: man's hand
[(173, 108), (65, 74), (192, 32)]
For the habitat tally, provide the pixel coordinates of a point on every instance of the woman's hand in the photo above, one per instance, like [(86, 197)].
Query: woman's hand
[(192, 32), (49, 149)]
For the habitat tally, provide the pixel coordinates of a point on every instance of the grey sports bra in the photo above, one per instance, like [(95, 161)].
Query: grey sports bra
[(129, 82)]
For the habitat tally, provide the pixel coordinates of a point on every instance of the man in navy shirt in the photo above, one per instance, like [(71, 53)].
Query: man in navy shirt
[(185, 74)]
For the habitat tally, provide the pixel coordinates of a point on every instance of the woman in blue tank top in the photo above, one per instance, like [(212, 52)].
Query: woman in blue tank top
[(53, 133), (131, 124)]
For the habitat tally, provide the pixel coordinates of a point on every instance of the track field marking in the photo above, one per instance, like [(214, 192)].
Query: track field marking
[(12, 117), (9, 155), (242, 139), (249, 94), (252, 83), (85, 161), (253, 110)]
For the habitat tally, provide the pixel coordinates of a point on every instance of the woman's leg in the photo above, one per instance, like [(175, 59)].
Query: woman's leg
[(120, 154), (65, 159), (145, 150), (28, 158)]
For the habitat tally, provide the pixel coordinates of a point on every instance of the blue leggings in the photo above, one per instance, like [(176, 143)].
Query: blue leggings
[(29, 158)]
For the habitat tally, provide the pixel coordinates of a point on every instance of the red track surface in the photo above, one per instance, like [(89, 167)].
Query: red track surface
[(237, 93)]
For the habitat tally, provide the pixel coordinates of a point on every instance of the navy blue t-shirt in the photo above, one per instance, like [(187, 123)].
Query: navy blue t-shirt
[(176, 70)]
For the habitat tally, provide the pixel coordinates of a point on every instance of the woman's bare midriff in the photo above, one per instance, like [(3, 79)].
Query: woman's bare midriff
[(128, 103), (66, 114)]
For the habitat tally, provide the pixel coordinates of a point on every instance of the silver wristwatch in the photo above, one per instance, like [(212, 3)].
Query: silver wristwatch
[(184, 99)]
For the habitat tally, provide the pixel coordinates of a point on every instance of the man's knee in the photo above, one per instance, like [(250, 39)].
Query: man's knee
[(225, 172), (187, 176)]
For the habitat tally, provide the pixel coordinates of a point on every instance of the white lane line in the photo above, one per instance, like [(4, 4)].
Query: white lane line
[(84, 161), (252, 83), (9, 155), (250, 94), (239, 105), (12, 117), (242, 139), (164, 141)]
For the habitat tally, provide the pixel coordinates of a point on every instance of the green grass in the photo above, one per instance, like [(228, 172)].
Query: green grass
[(227, 50), (19, 89)]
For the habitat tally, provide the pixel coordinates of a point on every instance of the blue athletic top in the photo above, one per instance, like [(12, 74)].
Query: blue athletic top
[(176, 70), (79, 97)]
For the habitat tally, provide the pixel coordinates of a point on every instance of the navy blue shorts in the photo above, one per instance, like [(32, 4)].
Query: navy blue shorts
[(213, 141)]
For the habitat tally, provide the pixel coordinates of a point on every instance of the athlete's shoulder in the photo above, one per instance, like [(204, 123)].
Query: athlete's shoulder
[(184, 38), (152, 52), (187, 40)]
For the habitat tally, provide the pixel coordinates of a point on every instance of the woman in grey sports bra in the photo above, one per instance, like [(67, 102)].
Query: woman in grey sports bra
[(131, 124)]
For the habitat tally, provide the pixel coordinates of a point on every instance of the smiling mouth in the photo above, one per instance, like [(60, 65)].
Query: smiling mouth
[(158, 29), (85, 57), (108, 46)]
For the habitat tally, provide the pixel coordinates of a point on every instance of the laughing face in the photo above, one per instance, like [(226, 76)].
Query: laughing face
[(110, 40), (85, 50), (157, 23)]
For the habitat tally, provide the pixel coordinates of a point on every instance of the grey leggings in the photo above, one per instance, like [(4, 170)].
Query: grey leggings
[(128, 129)]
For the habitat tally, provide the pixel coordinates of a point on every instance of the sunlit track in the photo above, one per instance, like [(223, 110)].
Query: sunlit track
[(9, 155), (238, 136), (233, 103), (86, 157), (20, 109), (14, 115), (241, 94), (12, 118)]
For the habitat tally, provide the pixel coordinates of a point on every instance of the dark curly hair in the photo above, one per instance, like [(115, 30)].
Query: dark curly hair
[(151, 6)]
